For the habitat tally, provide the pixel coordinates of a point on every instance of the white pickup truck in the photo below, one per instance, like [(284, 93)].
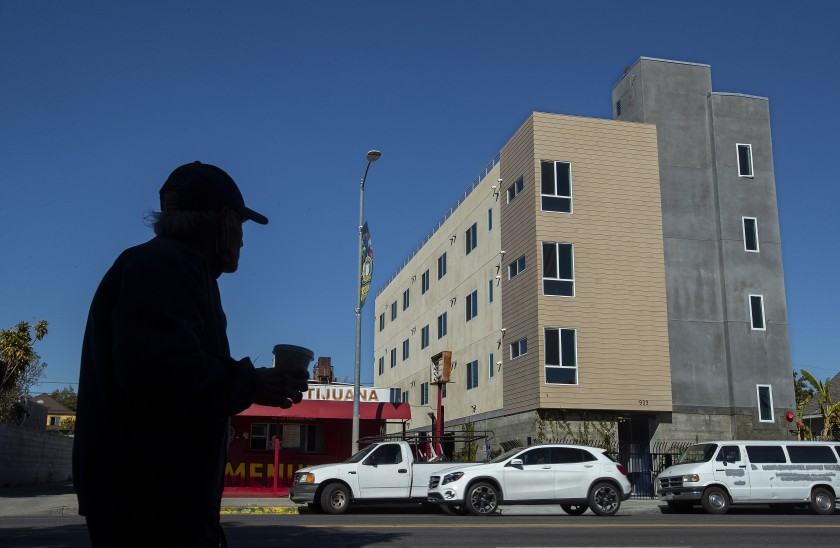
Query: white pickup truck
[(381, 472)]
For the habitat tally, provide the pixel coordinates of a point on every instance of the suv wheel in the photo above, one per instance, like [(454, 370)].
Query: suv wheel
[(605, 499), (482, 499)]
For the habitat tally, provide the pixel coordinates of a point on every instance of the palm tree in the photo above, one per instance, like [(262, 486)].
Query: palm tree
[(829, 410)]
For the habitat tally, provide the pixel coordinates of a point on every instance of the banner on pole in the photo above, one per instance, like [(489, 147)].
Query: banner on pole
[(367, 264)]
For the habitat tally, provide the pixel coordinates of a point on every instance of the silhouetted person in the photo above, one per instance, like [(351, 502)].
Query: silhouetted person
[(158, 384)]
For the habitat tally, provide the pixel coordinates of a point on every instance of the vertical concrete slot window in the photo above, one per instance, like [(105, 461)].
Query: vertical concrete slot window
[(405, 349), (394, 311), (441, 325), (424, 282), (472, 375), (491, 369), (745, 160), (393, 357), (472, 305), (765, 402), (382, 321), (442, 266), (406, 298), (757, 312), (750, 233), (424, 337)]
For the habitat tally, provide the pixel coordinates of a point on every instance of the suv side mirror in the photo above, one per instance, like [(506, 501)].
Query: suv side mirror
[(515, 462)]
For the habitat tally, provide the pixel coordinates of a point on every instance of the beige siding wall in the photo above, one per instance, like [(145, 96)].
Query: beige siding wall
[(467, 340), (619, 308)]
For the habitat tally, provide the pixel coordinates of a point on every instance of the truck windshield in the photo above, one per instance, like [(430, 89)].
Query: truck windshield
[(358, 457), (702, 452)]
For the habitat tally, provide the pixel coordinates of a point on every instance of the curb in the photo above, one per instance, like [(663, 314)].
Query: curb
[(257, 510)]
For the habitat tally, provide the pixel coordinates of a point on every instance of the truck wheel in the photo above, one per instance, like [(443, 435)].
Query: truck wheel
[(715, 500), (822, 501), (335, 499), (604, 499), (315, 508), (482, 499), (573, 509)]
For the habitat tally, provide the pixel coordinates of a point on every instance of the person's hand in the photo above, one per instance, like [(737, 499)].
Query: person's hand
[(281, 387)]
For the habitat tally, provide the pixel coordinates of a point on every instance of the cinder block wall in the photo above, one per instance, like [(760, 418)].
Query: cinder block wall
[(29, 456)]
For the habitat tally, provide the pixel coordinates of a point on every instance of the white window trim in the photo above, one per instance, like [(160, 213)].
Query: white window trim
[(763, 313), (758, 388), (571, 189), (744, 230), (560, 348), (738, 160), (557, 253)]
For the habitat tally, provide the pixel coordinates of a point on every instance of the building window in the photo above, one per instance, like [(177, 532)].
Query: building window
[(556, 186), (442, 388), (442, 266), (489, 219), (405, 349), (514, 189), (298, 437), (382, 365), (382, 321), (441, 325), (490, 291), (424, 282), (558, 269), (472, 237), (406, 298), (560, 356), (393, 357), (765, 402), (745, 161), (472, 305), (424, 337), (757, 312), (424, 393), (405, 396), (516, 267), (394, 311), (519, 348), (750, 234), (491, 366), (472, 375)]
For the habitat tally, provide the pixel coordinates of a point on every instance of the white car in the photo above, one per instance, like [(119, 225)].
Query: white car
[(575, 476)]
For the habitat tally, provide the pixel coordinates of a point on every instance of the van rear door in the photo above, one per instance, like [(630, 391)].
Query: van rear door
[(730, 468)]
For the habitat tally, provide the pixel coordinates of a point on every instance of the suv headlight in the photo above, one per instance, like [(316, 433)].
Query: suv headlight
[(449, 478), (691, 478)]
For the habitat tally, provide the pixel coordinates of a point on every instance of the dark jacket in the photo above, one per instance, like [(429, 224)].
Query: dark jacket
[(156, 389)]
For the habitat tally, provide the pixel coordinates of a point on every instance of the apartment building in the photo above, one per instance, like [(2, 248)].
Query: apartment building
[(595, 270)]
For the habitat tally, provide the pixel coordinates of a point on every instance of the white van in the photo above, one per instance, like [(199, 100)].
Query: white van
[(719, 473)]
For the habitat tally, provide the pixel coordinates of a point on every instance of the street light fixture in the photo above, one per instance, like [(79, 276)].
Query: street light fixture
[(372, 156)]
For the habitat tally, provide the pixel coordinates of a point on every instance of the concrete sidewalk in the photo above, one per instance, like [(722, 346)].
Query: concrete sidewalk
[(60, 500)]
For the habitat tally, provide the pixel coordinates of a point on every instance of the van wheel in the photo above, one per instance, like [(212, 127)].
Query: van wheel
[(335, 499), (715, 500), (604, 499), (315, 508), (482, 499), (573, 509), (822, 501)]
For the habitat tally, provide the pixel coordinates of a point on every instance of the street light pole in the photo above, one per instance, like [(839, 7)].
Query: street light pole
[(372, 156)]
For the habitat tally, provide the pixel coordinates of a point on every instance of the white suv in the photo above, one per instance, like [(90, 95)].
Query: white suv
[(575, 476)]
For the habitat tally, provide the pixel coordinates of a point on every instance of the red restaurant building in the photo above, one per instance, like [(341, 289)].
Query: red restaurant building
[(270, 442)]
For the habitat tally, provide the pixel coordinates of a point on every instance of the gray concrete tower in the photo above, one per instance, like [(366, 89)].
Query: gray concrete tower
[(731, 368)]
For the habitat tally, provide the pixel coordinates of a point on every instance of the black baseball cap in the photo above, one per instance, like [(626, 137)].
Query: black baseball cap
[(204, 187)]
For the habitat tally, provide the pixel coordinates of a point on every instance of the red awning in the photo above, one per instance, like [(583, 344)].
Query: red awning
[(318, 409)]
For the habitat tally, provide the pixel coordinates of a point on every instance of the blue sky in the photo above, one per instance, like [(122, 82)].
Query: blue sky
[(99, 101)]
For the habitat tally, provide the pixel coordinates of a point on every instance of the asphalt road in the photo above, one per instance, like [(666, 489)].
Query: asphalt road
[(371, 529)]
